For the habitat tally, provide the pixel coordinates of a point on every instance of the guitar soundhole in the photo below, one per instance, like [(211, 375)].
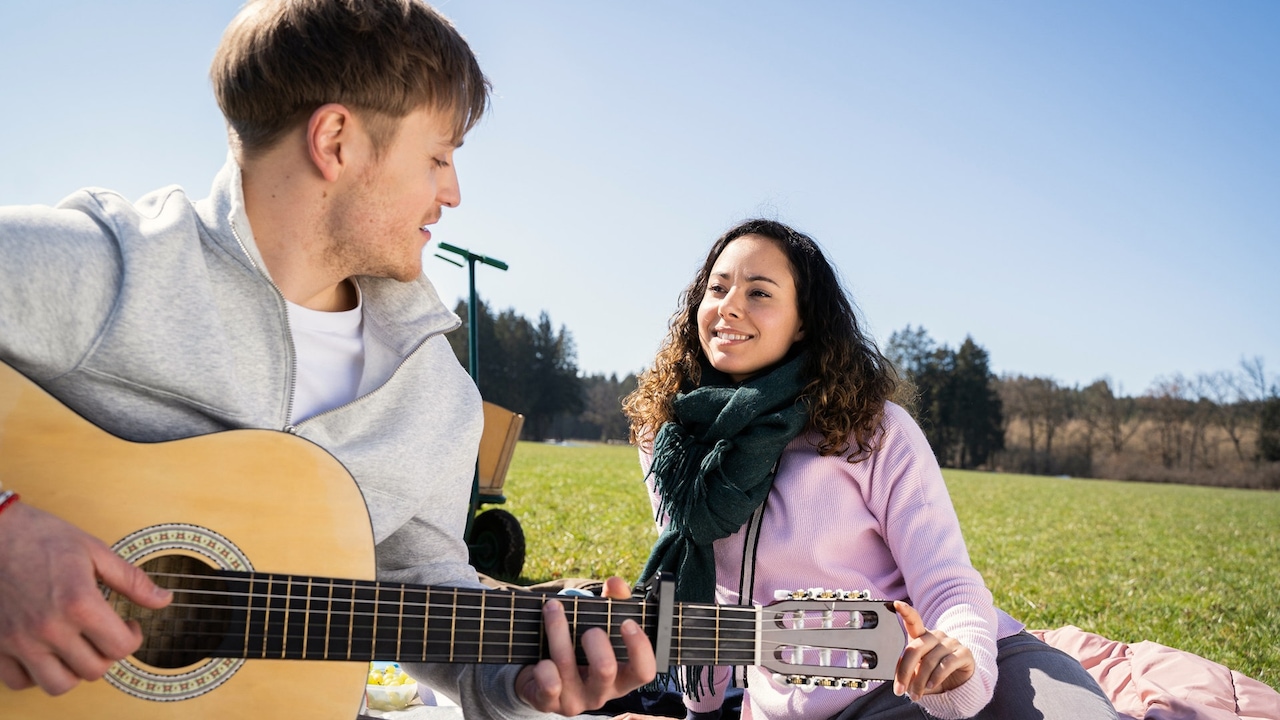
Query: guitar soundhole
[(193, 625)]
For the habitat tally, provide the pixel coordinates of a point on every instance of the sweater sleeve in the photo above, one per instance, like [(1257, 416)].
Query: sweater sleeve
[(58, 284), (923, 533)]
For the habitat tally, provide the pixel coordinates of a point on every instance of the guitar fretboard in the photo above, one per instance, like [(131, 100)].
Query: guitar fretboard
[(272, 616)]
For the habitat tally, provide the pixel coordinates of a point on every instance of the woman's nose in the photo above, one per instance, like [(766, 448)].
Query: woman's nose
[(730, 307)]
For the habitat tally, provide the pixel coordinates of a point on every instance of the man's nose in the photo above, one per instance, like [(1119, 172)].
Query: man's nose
[(449, 193)]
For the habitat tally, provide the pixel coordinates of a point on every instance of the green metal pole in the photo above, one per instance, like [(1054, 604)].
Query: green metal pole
[(473, 347), (473, 332)]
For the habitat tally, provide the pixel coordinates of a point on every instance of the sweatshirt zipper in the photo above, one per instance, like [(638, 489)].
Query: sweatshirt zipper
[(288, 335)]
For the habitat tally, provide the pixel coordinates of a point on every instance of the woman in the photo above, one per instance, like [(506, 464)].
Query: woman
[(767, 407)]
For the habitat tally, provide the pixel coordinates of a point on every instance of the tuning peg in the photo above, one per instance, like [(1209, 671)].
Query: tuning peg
[(817, 593)]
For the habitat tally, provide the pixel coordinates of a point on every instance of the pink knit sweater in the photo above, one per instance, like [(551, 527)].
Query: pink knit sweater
[(885, 524)]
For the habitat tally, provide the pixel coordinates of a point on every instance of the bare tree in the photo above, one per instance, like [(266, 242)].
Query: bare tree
[(1110, 413), (1169, 411), (1229, 392)]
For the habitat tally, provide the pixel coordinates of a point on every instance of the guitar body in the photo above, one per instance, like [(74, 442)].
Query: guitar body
[(279, 501)]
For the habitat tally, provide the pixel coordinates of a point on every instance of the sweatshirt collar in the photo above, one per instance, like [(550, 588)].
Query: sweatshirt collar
[(402, 313)]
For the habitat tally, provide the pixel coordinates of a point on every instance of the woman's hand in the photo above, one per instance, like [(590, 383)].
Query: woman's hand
[(932, 662)]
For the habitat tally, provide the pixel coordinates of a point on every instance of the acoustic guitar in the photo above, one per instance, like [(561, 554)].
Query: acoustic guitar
[(264, 539)]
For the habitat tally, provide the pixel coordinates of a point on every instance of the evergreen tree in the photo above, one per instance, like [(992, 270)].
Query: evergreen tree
[(1269, 430), (978, 412), (956, 401)]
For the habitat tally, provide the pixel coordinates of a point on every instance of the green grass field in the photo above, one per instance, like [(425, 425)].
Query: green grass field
[(1190, 567)]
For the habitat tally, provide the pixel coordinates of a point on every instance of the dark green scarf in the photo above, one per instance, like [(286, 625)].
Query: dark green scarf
[(714, 465)]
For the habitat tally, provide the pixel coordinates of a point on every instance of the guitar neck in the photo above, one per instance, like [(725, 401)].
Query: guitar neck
[(269, 616)]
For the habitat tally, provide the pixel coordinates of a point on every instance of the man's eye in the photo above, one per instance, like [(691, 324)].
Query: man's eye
[(441, 163)]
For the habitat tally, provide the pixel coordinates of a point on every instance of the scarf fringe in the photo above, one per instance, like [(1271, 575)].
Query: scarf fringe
[(685, 680)]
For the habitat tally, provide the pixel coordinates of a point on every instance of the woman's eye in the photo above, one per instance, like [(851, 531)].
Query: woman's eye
[(441, 163)]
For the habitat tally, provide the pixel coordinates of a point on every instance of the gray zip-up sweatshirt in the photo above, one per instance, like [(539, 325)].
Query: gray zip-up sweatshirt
[(158, 320)]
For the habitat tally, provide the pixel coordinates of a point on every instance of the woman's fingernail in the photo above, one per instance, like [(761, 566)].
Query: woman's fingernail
[(630, 627)]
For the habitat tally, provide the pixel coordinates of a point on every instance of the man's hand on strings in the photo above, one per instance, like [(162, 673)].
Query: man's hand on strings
[(561, 686), (56, 629)]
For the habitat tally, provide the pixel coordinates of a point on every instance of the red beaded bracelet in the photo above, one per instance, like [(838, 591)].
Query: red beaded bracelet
[(7, 498)]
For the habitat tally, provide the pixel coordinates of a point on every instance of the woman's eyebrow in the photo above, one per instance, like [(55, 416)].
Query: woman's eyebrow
[(762, 278), (750, 278)]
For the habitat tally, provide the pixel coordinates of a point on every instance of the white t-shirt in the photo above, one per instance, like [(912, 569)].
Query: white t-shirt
[(329, 347)]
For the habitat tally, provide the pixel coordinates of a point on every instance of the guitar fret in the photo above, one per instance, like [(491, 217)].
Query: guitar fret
[(426, 621), (343, 594), (306, 621), (328, 621), (453, 627), (363, 619), (373, 646), (677, 636), (480, 644), (316, 642), (716, 652), (400, 625), (413, 604), (293, 604), (511, 630), (248, 616), (273, 637)]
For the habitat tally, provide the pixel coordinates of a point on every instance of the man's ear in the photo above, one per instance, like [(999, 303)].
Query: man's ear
[(329, 135)]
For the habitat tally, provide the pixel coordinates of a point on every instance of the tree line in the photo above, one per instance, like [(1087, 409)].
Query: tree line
[(532, 369), (1219, 428)]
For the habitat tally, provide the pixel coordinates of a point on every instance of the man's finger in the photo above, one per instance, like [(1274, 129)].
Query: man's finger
[(616, 588), (541, 686), (560, 647), (12, 674), (126, 579), (602, 673), (48, 672), (641, 666)]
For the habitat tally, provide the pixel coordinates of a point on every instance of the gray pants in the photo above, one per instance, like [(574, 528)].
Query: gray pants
[(1036, 682)]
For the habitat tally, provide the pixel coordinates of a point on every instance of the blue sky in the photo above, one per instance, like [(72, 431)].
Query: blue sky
[(1087, 188)]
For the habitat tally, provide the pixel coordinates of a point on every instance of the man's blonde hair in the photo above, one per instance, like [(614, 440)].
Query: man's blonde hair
[(279, 60)]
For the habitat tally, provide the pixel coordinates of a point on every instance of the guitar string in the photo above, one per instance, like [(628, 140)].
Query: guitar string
[(687, 651), (683, 646), (744, 617), (748, 613), (369, 585)]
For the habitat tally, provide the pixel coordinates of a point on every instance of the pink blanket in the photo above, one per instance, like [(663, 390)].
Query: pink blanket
[(1149, 681)]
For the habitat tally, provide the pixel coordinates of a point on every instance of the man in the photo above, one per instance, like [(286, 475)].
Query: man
[(291, 298)]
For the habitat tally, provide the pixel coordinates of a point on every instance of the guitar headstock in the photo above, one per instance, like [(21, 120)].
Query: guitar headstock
[(829, 638)]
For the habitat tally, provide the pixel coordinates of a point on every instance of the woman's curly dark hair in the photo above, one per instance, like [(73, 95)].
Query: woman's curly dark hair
[(849, 379)]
